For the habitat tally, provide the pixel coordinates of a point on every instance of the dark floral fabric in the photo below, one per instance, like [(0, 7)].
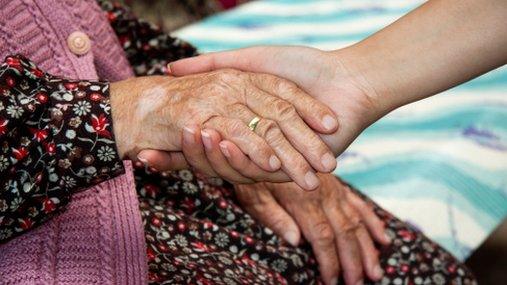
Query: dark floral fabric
[(148, 48), (55, 138), (197, 233)]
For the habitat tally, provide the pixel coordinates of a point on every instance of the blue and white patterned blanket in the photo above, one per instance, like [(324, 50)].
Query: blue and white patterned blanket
[(440, 164)]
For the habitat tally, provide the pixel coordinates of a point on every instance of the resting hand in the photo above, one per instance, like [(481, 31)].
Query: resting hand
[(332, 218), (152, 112), (338, 224)]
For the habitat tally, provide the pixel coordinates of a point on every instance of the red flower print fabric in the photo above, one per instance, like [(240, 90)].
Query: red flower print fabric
[(197, 233), (148, 48), (56, 138)]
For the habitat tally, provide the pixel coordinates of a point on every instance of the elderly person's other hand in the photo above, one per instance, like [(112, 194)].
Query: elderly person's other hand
[(339, 225), (160, 112)]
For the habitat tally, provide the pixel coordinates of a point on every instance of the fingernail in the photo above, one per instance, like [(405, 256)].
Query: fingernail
[(291, 237), (360, 282), (143, 160), (169, 70), (312, 181), (206, 139), (378, 272), (224, 149), (188, 135), (274, 162), (334, 280), (139, 164), (329, 122), (146, 164), (328, 161)]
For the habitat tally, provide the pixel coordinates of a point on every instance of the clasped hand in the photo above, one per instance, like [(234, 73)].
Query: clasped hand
[(159, 112)]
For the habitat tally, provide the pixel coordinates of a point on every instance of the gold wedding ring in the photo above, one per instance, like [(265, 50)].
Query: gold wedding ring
[(253, 123)]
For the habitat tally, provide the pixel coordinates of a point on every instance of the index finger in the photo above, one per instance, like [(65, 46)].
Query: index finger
[(317, 230), (242, 59)]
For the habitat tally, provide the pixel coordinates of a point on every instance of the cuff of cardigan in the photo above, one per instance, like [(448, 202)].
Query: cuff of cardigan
[(88, 151)]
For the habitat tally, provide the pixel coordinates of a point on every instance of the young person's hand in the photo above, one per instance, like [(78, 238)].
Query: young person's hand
[(322, 74), (433, 48)]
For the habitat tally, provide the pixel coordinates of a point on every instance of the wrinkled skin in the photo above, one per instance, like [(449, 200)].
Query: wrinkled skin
[(340, 226), (329, 77), (151, 112)]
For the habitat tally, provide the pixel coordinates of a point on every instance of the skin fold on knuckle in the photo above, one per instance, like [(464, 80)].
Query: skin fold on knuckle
[(268, 129), (285, 110), (226, 75), (283, 86), (318, 109), (323, 233), (295, 163), (348, 229), (236, 129)]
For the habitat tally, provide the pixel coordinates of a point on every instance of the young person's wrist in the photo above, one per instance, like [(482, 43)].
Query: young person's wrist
[(356, 65)]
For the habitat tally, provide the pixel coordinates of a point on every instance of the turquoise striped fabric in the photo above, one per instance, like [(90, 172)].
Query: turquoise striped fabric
[(440, 164)]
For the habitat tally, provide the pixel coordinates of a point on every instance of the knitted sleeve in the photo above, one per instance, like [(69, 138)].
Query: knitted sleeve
[(56, 138), (147, 47)]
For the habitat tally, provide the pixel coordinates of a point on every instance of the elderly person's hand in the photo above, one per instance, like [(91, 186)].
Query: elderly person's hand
[(330, 77), (160, 112), (325, 76), (339, 225)]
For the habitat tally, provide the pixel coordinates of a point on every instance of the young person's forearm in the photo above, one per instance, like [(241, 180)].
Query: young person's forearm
[(439, 45)]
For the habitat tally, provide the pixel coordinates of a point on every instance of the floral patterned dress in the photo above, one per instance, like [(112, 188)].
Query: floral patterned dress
[(196, 232)]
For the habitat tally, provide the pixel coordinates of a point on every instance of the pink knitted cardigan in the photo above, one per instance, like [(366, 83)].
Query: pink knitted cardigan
[(99, 238)]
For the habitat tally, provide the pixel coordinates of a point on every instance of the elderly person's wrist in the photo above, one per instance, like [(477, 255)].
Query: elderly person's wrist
[(122, 101), (129, 111)]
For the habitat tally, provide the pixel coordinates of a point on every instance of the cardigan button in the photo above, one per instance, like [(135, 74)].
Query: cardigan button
[(79, 43)]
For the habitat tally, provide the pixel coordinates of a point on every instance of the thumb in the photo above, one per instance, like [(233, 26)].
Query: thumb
[(162, 160), (253, 59)]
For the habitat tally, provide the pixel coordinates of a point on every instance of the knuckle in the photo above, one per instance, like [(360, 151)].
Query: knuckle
[(227, 75), (236, 128), (300, 165), (315, 146), (283, 85), (324, 233), (212, 120), (348, 228), (285, 109), (269, 129), (216, 87)]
